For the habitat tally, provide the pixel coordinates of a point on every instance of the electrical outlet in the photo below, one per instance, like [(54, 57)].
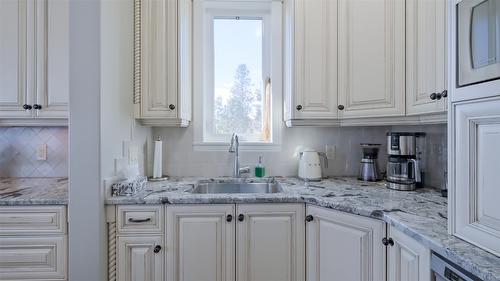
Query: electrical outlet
[(330, 151), (41, 152)]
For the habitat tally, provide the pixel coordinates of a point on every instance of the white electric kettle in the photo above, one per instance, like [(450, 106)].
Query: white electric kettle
[(310, 165)]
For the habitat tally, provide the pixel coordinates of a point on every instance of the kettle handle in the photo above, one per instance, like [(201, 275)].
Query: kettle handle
[(416, 170)]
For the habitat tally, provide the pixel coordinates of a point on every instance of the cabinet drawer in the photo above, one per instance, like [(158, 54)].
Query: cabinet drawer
[(140, 219), (37, 220), (33, 258)]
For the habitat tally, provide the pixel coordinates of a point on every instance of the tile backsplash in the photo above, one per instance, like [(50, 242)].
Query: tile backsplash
[(18, 147)]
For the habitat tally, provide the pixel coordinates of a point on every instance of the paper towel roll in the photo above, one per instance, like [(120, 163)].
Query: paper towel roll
[(157, 159)]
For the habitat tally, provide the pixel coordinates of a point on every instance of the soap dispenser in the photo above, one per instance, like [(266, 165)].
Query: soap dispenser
[(260, 170)]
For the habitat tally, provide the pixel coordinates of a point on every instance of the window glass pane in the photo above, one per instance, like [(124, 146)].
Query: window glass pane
[(238, 79)]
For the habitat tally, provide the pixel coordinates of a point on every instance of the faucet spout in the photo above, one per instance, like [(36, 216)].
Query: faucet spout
[(235, 148)]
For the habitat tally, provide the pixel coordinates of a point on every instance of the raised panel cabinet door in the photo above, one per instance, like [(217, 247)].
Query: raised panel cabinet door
[(16, 33), (33, 258), (159, 60), (311, 80), (371, 58), (200, 243), (425, 56), (407, 259), (474, 208), (270, 242), (52, 57), (140, 258), (342, 246)]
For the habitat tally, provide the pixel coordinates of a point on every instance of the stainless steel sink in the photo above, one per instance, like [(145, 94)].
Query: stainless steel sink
[(206, 188)]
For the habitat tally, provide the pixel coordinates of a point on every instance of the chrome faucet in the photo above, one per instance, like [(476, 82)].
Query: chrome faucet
[(235, 148)]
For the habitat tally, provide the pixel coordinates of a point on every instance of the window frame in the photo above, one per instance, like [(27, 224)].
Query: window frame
[(204, 12)]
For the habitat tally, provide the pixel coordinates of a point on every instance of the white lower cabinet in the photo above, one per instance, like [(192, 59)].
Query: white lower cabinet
[(33, 243), (343, 247), (202, 241), (139, 258), (407, 259), (270, 242)]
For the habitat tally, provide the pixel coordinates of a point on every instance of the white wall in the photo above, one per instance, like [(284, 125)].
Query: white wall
[(181, 160), (117, 112), (87, 233)]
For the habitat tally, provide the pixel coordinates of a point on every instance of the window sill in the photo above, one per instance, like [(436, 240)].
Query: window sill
[(248, 146)]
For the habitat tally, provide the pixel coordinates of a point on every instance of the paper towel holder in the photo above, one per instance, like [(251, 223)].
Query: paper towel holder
[(160, 156)]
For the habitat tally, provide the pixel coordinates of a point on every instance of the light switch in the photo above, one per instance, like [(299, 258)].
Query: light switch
[(41, 152)]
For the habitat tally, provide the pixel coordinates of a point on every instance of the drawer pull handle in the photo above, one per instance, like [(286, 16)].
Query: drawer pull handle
[(139, 220)]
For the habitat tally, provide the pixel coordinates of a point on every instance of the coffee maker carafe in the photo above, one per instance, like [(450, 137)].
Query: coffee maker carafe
[(403, 166), (368, 170)]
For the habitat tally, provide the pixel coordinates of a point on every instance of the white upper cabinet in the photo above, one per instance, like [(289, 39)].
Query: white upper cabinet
[(311, 59), (162, 74), (426, 61), (407, 259), (34, 62), (270, 242), (13, 59), (371, 58), (52, 49), (342, 246)]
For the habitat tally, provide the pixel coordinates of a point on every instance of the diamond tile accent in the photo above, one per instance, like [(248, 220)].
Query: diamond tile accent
[(18, 152)]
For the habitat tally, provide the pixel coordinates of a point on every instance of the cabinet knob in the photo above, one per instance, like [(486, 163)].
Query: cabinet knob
[(27, 107), (444, 93), (37, 106), (309, 218), (172, 107), (157, 249), (229, 218), (387, 241), (438, 96), (241, 217), (299, 107), (340, 107), (433, 96)]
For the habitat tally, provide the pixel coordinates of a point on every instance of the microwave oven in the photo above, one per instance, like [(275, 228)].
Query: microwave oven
[(478, 41)]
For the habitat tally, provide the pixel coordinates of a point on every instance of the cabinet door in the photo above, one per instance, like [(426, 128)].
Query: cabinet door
[(200, 243), (311, 80), (371, 58), (15, 51), (158, 42), (270, 242), (341, 246), (407, 259), (474, 208), (137, 260), (425, 55), (52, 55)]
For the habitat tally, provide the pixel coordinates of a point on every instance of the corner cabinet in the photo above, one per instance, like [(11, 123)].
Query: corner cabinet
[(341, 246), (371, 58), (35, 62), (407, 259), (162, 58), (426, 57)]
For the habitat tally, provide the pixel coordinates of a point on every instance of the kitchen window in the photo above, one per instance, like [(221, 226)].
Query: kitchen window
[(237, 72)]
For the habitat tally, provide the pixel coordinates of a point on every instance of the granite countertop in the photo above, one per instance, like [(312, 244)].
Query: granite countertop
[(421, 214), (33, 191)]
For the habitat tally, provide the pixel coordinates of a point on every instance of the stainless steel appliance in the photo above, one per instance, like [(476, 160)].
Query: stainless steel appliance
[(403, 167), (368, 170), (444, 270), (478, 39)]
